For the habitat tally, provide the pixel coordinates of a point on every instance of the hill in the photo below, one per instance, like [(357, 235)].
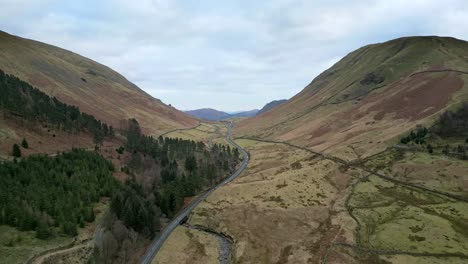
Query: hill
[(270, 106), (208, 114), (370, 97), (94, 88), (215, 115)]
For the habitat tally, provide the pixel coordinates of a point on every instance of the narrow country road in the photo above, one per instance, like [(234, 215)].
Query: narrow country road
[(157, 243)]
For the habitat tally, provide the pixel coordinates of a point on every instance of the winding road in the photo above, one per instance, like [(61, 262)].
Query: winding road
[(157, 243)]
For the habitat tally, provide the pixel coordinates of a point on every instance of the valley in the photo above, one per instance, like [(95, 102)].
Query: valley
[(329, 183), (185, 212), (367, 164), (334, 214)]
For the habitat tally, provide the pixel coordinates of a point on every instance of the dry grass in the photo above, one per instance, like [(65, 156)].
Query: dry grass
[(277, 210), (432, 171), (289, 206), (209, 133), (188, 246)]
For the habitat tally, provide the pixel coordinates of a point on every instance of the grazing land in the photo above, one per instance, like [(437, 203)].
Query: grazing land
[(207, 132)]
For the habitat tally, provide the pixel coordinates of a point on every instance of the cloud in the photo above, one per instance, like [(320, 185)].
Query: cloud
[(230, 55)]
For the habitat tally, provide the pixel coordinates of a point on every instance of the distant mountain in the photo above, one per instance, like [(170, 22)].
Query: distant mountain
[(208, 114), (270, 106), (215, 115)]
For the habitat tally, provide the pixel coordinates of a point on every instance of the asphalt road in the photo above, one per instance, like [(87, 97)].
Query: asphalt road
[(157, 243)]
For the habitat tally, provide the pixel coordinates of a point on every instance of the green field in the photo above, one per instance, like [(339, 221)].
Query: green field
[(396, 217), (18, 247)]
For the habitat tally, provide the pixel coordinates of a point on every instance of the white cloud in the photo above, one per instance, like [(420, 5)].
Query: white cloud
[(227, 54)]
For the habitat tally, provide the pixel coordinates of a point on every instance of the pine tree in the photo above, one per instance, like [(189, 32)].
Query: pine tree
[(24, 143), (16, 151), (236, 153), (190, 163)]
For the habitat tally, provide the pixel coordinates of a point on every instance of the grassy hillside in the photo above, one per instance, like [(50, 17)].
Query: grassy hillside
[(93, 87), (370, 97)]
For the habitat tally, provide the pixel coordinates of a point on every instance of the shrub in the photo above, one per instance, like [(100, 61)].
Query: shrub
[(296, 165), (16, 151), (69, 228), (430, 148), (120, 150), (24, 143)]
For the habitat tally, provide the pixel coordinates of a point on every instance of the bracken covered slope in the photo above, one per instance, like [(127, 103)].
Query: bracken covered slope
[(370, 97), (93, 87)]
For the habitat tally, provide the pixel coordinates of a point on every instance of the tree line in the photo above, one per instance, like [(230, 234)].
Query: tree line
[(452, 126), (453, 123), (185, 167), (20, 99)]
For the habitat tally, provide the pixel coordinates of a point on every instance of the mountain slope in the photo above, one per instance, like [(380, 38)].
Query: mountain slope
[(270, 106), (93, 87), (370, 97)]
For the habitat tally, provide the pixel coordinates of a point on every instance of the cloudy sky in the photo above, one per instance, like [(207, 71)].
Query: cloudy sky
[(228, 55)]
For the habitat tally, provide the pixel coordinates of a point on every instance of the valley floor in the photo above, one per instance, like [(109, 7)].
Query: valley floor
[(295, 206)]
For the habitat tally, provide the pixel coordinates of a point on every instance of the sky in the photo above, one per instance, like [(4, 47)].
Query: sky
[(227, 55)]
